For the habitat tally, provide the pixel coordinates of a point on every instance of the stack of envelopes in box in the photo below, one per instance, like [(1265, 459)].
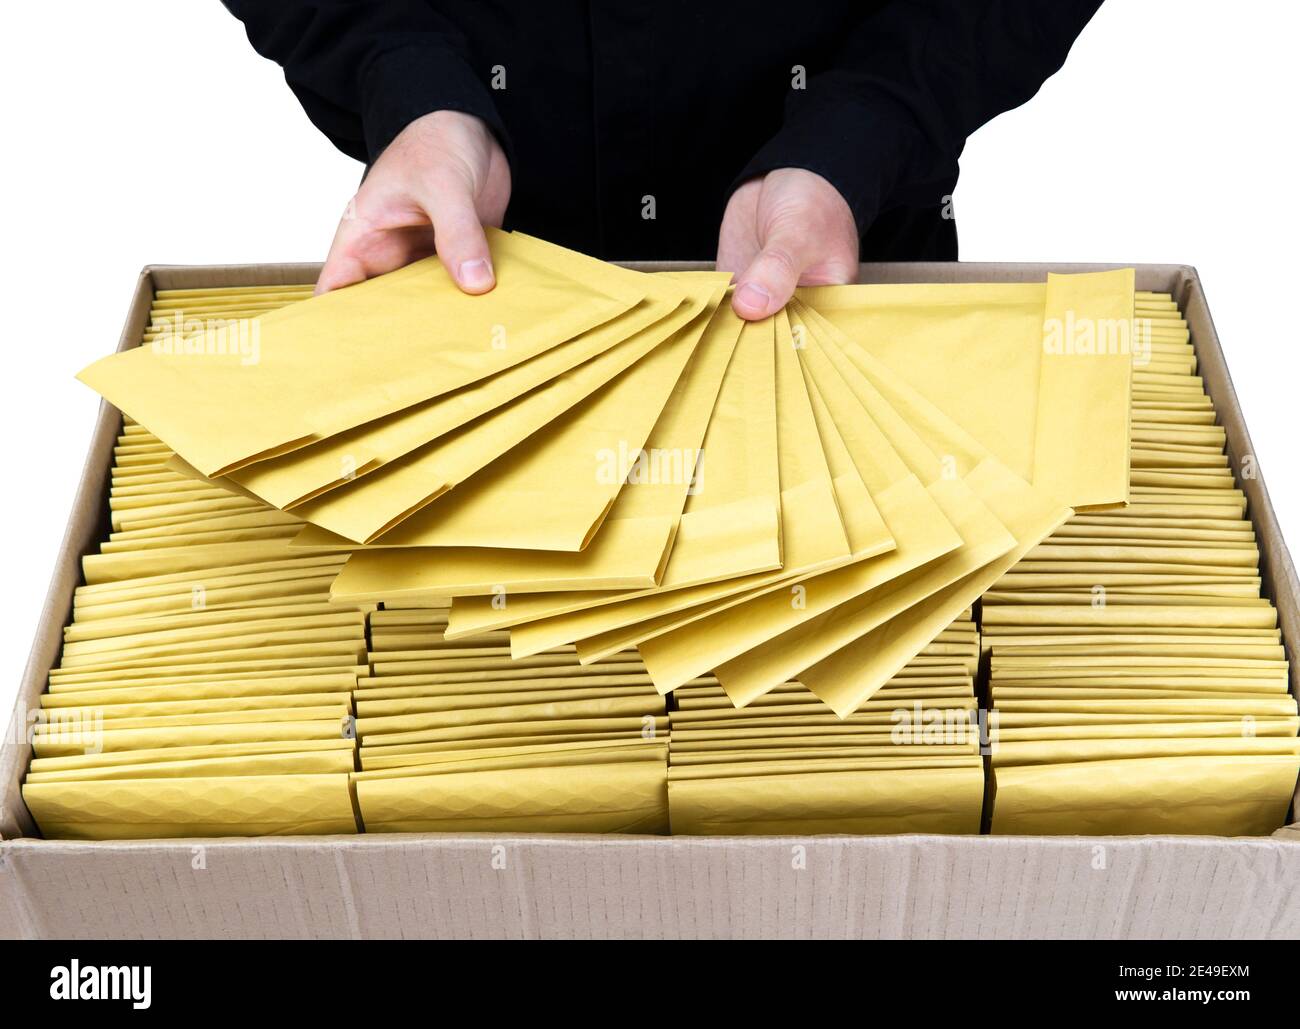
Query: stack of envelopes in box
[(205, 685), (460, 738), (908, 760), (602, 468), (1138, 679)]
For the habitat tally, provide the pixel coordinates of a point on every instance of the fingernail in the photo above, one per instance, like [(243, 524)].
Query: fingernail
[(475, 274), (753, 296)]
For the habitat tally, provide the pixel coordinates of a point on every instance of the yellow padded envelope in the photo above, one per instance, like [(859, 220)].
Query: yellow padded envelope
[(813, 527), (293, 478), (367, 509), (866, 530), (1230, 795), (951, 481), (870, 801), (394, 340), (920, 530), (1039, 374), (616, 797), (731, 524), (630, 550), (553, 492), (134, 809)]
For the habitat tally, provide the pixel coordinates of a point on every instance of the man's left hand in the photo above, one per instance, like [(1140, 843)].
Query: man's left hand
[(787, 228)]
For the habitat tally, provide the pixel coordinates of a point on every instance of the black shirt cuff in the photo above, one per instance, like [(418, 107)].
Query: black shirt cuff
[(404, 84), (860, 149)]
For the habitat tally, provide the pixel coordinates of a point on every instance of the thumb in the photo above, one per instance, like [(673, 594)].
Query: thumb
[(768, 283), (459, 240)]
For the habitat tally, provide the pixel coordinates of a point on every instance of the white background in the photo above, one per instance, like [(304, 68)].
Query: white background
[(150, 132)]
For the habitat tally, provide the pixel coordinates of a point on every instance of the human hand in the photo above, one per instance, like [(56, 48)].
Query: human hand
[(433, 189), (786, 228)]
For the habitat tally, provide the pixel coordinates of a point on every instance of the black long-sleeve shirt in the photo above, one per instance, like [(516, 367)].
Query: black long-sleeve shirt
[(603, 104)]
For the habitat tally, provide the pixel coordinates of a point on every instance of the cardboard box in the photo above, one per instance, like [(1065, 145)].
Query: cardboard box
[(481, 885)]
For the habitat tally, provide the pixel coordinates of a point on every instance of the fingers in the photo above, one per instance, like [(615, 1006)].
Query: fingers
[(807, 234), (458, 236), (364, 247), (737, 237), (768, 283), (425, 192), (343, 265)]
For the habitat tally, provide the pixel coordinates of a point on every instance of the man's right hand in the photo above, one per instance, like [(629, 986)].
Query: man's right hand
[(432, 190)]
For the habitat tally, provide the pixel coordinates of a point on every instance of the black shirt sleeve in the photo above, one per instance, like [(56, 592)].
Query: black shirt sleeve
[(365, 69), (890, 115)]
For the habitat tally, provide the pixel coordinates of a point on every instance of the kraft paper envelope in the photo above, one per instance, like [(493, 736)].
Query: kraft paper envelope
[(627, 703), (1285, 727), (622, 797), (395, 340), (842, 684), (304, 473), (202, 619), (335, 710), (246, 688), (377, 757), (1033, 721), (104, 568), (293, 763), (369, 335), (719, 613), (504, 754), (730, 526), (505, 694), (80, 656), (118, 710), (1147, 617), (847, 676), (1110, 691), (216, 634), (182, 582), (944, 800), (1222, 796), (56, 744), (368, 508), (207, 671), (1027, 369), (633, 545), (494, 686), (553, 492), (797, 753), (532, 758), (1187, 646), (1269, 707), (811, 764), (918, 526), (813, 529), (1081, 452), (651, 725), (130, 758), (403, 715), (973, 349), (786, 655), (258, 805)]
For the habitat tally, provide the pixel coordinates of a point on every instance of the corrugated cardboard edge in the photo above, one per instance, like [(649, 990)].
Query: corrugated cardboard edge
[(602, 887), (554, 886)]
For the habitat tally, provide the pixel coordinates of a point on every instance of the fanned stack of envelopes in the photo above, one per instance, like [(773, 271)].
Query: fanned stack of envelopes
[(595, 457), (593, 488), (460, 738), (1138, 679)]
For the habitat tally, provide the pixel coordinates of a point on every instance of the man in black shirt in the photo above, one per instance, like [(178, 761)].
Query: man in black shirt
[(813, 134)]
